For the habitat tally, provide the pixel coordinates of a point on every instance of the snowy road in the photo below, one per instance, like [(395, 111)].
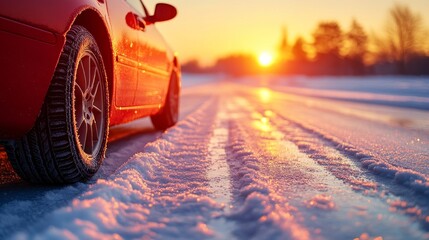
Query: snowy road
[(265, 161)]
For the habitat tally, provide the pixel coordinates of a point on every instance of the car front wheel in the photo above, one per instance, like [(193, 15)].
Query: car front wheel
[(68, 142)]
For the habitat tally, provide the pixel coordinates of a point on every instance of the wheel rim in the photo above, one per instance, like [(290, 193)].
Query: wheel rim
[(89, 105)]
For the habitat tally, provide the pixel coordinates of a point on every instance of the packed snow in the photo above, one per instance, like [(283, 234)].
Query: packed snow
[(252, 158)]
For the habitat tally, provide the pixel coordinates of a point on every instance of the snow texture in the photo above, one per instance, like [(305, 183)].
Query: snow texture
[(266, 161)]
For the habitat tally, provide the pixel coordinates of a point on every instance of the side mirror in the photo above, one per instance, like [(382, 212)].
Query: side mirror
[(163, 12)]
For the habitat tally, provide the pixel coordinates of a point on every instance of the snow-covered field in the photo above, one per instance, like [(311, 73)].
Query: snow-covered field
[(253, 158)]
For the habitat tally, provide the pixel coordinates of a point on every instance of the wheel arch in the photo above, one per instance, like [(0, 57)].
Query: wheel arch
[(95, 24)]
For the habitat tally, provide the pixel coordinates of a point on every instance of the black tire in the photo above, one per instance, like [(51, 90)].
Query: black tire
[(169, 113), (58, 148)]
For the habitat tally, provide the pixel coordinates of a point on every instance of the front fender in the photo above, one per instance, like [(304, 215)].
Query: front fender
[(32, 36)]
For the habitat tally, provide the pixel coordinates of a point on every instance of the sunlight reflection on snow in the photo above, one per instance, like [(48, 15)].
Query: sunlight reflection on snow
[(265, 95)]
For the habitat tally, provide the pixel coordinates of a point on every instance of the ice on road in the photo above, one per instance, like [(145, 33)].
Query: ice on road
[(247, 162)]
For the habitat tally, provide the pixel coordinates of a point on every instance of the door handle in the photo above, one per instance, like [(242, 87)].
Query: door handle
[(135, 21)]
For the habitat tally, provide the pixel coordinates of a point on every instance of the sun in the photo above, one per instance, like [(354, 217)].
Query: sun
[(265, 59)]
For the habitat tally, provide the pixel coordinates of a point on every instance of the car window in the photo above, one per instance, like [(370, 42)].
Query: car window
[(138, 6)]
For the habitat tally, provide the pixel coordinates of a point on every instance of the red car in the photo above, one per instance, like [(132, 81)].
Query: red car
[(69, 69)]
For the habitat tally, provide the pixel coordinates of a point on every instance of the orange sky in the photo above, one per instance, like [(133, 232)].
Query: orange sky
[(208, 29)]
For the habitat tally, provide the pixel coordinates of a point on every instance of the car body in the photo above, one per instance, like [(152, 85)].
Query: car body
[(134, 61)]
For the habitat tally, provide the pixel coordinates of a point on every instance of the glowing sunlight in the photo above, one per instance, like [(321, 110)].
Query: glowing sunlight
[(265, 59)]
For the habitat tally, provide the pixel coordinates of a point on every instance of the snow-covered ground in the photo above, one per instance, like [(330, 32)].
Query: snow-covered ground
[(254, 158), (393, 85), (410, 92), (191, 80)]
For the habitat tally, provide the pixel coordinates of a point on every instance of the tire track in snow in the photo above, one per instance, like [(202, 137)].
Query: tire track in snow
[(408, 178), (218, 170), (417, 181), (357, 168), (328, 198), (259, 211), (218, 173), (344, 161)]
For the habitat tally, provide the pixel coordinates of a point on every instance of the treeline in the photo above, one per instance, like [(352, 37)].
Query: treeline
[(401, 48)]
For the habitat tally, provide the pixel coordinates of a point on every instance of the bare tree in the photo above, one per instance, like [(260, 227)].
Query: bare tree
[(404, 35), (328, 39), (328, 42), (356, 41), (298, 51), (356, 47), (284, 46)]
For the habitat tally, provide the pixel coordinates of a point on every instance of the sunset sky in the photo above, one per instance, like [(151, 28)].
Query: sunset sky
[(208, 29)]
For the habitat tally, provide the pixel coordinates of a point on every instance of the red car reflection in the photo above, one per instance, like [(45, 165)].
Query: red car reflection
[(72, 68)]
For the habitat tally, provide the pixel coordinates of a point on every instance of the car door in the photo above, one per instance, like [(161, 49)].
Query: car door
[(153, 76), (125, 44)]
